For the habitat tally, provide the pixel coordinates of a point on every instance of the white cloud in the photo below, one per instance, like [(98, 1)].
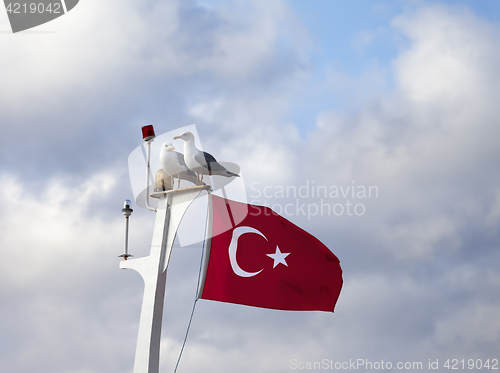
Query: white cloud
[(59, 277), (473, 325), (420, 240), (493, 217), (108, 42), (165, 63), (429, 147), (451, 59)]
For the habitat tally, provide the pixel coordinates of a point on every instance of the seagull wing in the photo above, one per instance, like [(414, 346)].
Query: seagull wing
[(189, 176), (180, 160), (205, 160), (210, 163), (209, 157)]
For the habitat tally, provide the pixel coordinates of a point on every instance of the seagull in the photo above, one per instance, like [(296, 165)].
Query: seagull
[(173, 164), (199, 161)]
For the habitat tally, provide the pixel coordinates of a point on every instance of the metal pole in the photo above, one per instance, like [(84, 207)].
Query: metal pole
[(148, 172), (126, 235)]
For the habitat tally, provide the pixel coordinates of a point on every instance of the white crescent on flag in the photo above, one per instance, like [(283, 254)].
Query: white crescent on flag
[(233, 247)]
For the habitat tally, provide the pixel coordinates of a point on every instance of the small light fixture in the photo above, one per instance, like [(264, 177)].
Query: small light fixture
[(148, 133), (127, 211)]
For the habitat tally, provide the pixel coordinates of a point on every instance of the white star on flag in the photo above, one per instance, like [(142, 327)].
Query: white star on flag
[(278, 257)]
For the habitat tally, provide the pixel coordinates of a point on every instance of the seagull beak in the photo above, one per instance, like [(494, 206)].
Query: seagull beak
[(177, 137), (172, 147)]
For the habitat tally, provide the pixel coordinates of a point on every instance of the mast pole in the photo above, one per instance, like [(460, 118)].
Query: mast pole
[(172, 206)]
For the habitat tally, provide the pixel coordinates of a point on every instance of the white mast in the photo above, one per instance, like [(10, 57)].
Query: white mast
[(153, 269), (171, 208)]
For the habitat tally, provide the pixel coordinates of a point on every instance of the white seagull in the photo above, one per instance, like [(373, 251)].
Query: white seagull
[(173, 164), (199, 161)]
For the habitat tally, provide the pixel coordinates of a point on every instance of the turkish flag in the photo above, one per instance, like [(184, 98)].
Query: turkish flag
[(266, 261)]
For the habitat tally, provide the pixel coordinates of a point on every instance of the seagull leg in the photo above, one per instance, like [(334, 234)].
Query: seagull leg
[(178, 183)]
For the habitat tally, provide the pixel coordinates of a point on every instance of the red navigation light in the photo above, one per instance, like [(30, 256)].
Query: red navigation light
[(148, 133)]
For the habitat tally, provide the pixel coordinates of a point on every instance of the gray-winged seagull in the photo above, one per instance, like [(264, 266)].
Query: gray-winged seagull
[(173, 164), (201, 162)]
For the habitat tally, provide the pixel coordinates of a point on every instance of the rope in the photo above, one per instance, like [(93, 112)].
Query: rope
[(196, 296)]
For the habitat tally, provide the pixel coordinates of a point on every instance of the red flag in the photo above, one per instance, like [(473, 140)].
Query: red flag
[(266, 261)]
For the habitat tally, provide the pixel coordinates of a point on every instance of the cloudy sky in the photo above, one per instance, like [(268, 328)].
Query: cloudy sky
[(401, 96)]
